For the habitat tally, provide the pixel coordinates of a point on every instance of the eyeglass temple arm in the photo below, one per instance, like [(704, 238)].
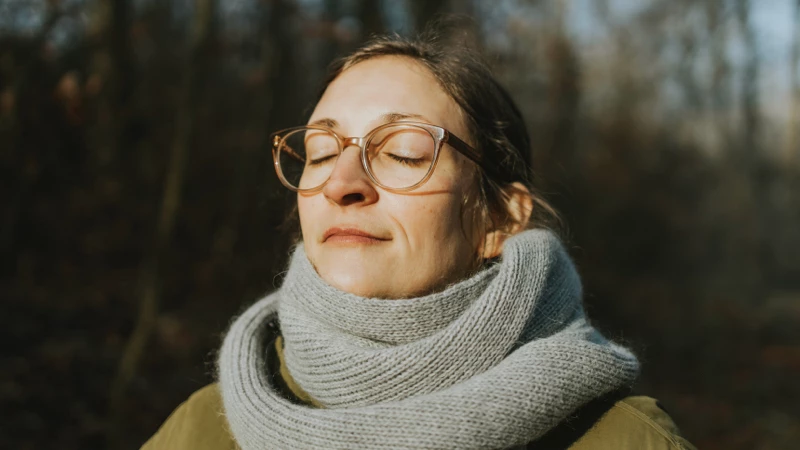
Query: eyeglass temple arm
[(468, 151), (464, 148), (280, 144)]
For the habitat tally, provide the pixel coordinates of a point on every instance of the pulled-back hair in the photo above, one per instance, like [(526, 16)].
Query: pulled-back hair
[(495, 124)]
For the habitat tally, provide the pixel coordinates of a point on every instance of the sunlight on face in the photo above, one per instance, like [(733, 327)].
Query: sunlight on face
[(371, 242)]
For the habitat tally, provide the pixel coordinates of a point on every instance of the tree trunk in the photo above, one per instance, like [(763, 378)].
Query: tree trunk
[(151, 269), (793, 145), (274, 106), (371, 17), (720, 72), (756, 209), (424, 11), (693, 94), (564, 90), (121, 55), (749, 93), (12, 145)]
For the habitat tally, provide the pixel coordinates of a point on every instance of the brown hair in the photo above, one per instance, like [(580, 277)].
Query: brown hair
[(495, 124)]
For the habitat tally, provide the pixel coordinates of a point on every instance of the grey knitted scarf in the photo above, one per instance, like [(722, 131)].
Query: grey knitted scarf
[(493, 361)]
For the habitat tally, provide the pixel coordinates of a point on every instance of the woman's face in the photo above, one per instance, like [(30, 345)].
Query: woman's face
[(374, 243)]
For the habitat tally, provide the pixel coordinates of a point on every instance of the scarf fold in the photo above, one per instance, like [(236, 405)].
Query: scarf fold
[(493, 361)]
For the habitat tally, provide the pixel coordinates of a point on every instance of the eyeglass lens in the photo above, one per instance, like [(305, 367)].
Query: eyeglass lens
[(398, 156)]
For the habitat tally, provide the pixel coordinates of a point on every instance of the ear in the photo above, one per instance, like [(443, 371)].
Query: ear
[(519, 205)]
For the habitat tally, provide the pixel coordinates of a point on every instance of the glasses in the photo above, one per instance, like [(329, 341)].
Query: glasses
[(398, 156)]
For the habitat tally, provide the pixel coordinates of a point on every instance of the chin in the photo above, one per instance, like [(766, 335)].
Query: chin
[(353, 280)]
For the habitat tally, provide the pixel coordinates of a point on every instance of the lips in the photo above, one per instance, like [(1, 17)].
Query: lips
[(350, 236)]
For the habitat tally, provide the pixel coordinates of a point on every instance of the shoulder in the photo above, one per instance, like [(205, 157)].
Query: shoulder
[(197, 424), (635, 422)]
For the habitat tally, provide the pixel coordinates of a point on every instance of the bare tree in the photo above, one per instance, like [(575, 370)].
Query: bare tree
[(756, 206), (121, 54), (750, 78), (565, 90), (150, 271), (793, 146), (10, 139), (690, 45), (423, 11), (720, 71), (371, 18)]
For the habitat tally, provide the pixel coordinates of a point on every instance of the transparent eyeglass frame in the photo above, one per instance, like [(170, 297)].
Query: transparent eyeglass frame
[(440, 136)]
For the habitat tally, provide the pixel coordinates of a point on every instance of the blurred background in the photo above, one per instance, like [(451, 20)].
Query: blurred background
[(139, 210)]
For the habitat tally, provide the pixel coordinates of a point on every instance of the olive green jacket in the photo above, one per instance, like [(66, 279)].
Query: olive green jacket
[(612, 423)]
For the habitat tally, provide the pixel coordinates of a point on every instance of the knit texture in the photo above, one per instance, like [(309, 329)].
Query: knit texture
[(493, 361)]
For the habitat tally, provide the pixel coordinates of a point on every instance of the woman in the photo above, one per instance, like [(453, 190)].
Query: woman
[(427, 305)]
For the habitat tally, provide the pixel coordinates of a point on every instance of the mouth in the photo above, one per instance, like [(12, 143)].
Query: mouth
[(350, 236)]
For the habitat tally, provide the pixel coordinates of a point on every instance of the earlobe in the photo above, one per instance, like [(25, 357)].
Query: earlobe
[(519, 206), (493, 244)]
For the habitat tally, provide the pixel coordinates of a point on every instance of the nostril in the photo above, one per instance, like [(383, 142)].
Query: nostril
[(354, 197)]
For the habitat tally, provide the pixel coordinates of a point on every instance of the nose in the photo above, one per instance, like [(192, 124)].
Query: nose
[(349, 184)]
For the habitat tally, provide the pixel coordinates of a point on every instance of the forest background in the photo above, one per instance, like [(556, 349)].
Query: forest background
[(139, 210)]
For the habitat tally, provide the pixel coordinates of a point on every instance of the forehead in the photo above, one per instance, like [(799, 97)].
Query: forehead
[(371, 89)]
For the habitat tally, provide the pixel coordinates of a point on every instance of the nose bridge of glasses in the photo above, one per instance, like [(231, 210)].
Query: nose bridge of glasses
[(357, 141)]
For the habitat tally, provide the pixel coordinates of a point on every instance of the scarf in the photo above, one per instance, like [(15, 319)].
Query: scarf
[(493, 361)]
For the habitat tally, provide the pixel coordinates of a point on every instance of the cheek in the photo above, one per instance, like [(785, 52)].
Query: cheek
[(440, 249), (306, 211), (435, 226), (451, 216)]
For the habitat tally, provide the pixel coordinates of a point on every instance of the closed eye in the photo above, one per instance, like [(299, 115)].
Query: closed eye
[(405, 160), (318, 161)]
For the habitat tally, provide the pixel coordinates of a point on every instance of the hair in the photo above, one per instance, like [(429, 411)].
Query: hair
[(495, 124)]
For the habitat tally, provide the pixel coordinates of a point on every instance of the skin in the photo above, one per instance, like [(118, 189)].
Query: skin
[(420, 242)]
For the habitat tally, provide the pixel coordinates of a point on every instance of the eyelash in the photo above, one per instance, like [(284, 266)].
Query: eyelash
[(315, 162), (407, 161)]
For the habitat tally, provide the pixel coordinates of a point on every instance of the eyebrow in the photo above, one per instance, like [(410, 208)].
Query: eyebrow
[(398, 116), (325, 122), (382, 119)]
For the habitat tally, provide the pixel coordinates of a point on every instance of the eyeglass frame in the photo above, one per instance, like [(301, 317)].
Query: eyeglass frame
[(439, 134)]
